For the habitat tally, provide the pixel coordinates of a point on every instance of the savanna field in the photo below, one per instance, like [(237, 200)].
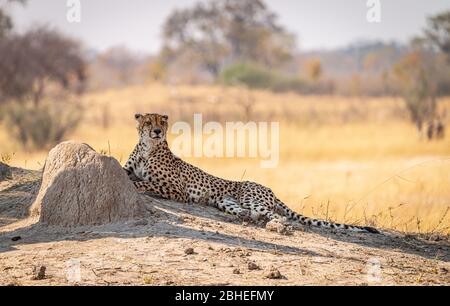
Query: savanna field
[(355, 160)]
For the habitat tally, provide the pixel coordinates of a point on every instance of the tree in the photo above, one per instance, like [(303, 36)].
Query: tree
[(157, 70), (416, 85), (423, 73), (6, 23), (220, 32), (314, 69), (437, 38), (32, 62), (121, 63), (438, 32), (253, 33), (196, 33), (41, 72)]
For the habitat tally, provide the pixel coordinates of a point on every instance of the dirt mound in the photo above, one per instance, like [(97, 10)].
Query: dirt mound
[(81, 187)]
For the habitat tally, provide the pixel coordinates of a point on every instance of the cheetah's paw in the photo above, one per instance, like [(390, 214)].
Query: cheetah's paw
[(245, 215)]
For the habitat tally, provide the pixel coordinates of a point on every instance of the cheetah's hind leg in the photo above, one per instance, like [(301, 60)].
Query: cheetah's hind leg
[(231, 206), (259, 212)]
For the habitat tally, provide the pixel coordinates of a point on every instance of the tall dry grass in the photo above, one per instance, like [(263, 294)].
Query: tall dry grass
[(345, 159)]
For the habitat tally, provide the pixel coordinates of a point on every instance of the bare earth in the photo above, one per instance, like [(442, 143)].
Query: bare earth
[(192, 245)]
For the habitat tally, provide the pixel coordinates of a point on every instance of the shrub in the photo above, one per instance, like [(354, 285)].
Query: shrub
[(285, 83), (248, 74), (41, 126), (258, 77)]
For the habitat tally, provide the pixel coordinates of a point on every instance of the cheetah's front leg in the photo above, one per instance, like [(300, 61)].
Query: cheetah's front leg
[(142, 186), (131, 165), (169, 193)]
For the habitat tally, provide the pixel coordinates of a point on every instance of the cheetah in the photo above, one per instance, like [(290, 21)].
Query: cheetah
[(156, 170)]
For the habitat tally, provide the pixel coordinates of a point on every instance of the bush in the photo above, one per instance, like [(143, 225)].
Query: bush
[(41, 126), (285, 83), (251, 75), (257, 77)]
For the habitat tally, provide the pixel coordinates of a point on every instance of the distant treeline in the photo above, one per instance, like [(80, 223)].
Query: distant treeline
[(241, 42), (363, 69)]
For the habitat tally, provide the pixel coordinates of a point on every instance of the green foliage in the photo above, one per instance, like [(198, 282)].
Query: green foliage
[(257, 77), (41, 126), (252, 75)]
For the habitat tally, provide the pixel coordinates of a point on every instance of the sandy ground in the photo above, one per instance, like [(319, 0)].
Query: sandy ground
[(193, 245)]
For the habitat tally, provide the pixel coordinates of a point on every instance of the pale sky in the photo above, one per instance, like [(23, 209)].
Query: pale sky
[(317, 23)]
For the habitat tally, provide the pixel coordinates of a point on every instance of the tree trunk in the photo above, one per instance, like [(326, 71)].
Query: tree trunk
[(38, 93)]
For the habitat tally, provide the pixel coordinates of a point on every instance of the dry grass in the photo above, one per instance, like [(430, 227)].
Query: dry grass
[(349, 160)]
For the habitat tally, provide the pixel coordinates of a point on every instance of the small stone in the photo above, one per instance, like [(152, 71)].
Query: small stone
[(39, 273), (443, 271), (189, 251), (16, 238), (274, 274), (276, 226), (236, 271), (252, 266)]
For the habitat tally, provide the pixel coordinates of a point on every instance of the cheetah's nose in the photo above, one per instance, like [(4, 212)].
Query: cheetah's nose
[(157, 131)]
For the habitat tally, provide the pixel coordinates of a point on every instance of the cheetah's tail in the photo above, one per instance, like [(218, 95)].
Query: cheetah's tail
[(292, 215)]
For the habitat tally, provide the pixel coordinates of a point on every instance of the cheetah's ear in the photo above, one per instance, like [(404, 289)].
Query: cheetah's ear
[(138, 117), (165, 118)]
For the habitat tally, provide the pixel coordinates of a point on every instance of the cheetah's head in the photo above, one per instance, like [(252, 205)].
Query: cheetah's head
[(152, 128)]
